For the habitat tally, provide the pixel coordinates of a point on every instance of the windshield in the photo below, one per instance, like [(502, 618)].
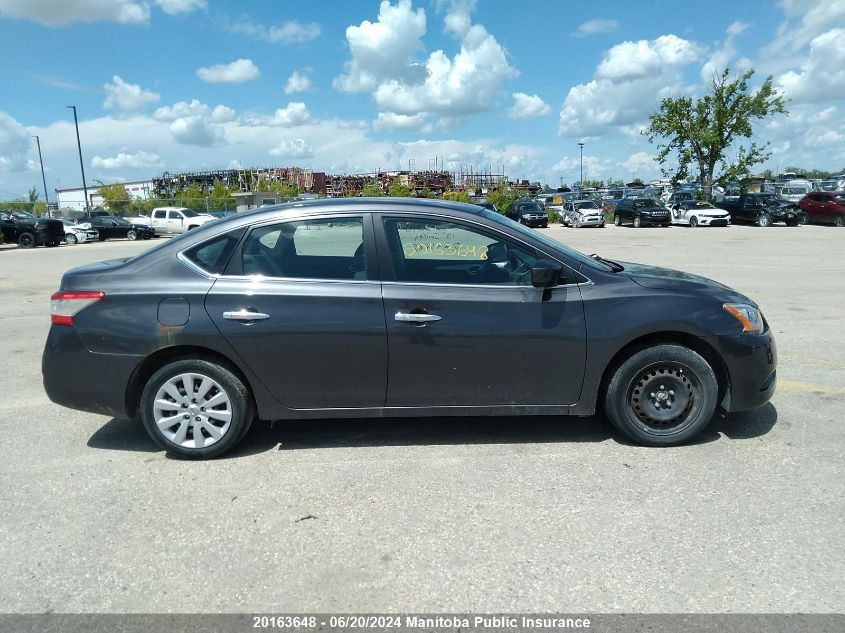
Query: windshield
[(554, 245), (530, 208), (586, 205), (702, 205), (22, 215), (642, 204)]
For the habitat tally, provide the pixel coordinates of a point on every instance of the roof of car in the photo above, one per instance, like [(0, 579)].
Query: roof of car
[(329, 205)]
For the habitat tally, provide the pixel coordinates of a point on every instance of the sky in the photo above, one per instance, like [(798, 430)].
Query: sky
[(351, 87)]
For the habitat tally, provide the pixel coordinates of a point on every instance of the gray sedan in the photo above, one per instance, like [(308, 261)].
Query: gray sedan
[(391, 307)]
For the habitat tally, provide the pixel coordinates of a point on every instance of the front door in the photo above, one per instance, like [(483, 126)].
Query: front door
[(301, 307), (175, 222), (465, 327)]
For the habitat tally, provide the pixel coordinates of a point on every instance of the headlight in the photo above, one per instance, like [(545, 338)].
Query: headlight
[(747, 315)]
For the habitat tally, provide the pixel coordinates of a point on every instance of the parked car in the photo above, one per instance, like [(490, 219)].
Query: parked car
[(79, 233), (28, 230), (445, 291), (699, 213), (176, 220), (529, 213), (763, 209), (111, 227), (582, 213), (641, 212), (824, 207), (794, 189)]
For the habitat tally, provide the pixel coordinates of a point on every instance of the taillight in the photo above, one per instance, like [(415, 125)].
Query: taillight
[(66, 303)]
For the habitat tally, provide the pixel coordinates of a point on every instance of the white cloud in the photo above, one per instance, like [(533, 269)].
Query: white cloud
[(383, 61), (238, 71), (389, 122), (528, 106), (61, 12), (723, 56), (127, 97), (138, 160), (597, 25), (196, 130), (181, 109), (296, 148), (640, 164), (806, 20), (298, 82), (737, 28), (628, 84), (223, 114), (14, 144), (384, 49), (178, 7), (293, 114), (821, 76), (292, 32)]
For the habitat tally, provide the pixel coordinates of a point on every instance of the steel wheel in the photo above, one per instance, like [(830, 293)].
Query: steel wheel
[(132, 235), (192, 410), (664, 398)]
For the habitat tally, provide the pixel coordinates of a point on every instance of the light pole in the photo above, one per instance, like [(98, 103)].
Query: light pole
[(581, 147), (81, 165), (43, 179)]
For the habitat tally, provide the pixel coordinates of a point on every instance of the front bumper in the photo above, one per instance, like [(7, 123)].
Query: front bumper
[(647, 220), (751, 362), (535, 222), (77, 378), (706, 221)]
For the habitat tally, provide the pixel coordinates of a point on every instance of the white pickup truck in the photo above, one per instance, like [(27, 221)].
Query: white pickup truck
[(173, 220)]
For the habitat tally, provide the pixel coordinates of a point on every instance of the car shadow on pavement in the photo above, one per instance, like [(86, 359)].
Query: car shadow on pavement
[(286, 435)]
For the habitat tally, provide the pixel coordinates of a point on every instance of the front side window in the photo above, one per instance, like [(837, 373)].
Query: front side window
[(174, 215), (325, 248), (440, 252)]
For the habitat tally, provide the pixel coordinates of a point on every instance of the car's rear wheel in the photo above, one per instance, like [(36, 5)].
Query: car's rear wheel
[(26, 240), (637, 222), (839, 221), (132, 235), (662, 395), (71, 239), (803, 218), (196, 408)]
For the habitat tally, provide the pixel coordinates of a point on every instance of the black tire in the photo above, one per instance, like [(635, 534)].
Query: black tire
[(617, 221), (792, 222), (839, 221), (693, 222), (803, 218), (242, 408), (131, 235), (26, 240), (637, 222), (764, 220), (676, 375), (71, 239), (102, 239)]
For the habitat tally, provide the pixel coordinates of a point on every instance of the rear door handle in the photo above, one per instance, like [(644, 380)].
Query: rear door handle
[(413, 317), (245, 315)]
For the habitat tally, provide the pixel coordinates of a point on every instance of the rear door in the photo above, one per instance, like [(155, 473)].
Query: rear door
[(465, 327), (301, 304)]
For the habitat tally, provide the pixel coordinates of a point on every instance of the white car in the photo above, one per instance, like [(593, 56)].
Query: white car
[(698, 213), (176, 220), (79, 233), (582, 213)]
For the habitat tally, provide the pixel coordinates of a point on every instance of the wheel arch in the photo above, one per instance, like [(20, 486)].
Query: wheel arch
[(162, 357), (695, 343)]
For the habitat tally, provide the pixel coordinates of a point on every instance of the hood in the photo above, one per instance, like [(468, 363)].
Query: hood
[(659, 278)]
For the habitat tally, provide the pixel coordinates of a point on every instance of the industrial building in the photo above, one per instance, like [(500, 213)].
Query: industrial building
[(74, 199)]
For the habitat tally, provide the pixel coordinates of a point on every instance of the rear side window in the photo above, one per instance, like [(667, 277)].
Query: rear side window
[(213, 255), (331, 249), (159, 214)]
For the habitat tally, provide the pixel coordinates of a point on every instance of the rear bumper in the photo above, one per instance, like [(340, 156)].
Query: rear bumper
[(751, 362), (79, 379)]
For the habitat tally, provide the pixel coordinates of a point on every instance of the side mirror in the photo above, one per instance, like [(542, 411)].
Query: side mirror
[(546, 273)]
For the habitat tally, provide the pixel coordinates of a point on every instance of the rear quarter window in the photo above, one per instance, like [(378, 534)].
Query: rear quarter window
[(213, 255)]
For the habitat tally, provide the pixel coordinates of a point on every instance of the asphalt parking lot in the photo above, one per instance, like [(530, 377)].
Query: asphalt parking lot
[(444, 515)]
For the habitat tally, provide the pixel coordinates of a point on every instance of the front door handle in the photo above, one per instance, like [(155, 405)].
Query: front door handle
[(246, 314), (414, 317)]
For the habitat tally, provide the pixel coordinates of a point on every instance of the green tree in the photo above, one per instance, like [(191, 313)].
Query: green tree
[(192, 197), (457, 196), (700, 131), (372, 190), (33, 194), (398, 190), (502, 197), (220, 196), (115, 196)]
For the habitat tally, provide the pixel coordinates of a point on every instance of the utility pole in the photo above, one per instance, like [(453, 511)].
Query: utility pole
[(581, 147), (43, 179), (81, 164)]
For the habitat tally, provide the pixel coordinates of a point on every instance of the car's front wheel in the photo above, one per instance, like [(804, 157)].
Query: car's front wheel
[(132, 235), (196, 408), (765, 220), (26, 240), (839, 221), (71, 239), (693, 221), (662, 395), (617, 221), (637, 222)]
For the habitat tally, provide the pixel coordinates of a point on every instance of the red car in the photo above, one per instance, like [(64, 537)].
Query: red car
[(825, 207)]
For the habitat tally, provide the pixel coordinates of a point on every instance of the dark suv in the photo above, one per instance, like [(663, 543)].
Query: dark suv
[(29, 230), (529, 213), (641, 212)]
